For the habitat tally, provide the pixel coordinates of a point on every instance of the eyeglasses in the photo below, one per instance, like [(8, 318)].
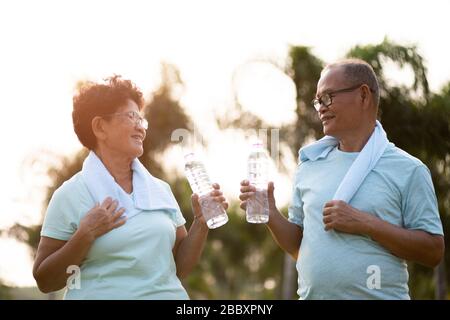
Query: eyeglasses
[(327, 98), (133, 116)]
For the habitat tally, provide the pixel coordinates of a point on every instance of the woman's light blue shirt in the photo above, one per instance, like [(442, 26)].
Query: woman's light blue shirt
[(134, 261)]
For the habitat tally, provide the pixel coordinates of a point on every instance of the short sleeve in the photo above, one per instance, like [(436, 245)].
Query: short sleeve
[(177, 216), (295, 210), (420, 209), (61, 219)]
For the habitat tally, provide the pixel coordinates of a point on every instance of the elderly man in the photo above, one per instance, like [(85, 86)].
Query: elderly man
[(361, 207)]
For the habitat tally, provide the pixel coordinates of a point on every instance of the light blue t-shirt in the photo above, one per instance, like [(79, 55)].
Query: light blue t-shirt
[(336, 265), (134, 261)]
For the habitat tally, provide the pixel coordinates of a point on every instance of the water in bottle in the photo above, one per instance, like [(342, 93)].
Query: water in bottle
[(214, 213), (258, 176)]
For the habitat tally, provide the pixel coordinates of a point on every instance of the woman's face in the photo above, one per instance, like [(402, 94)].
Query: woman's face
[(124, 134)]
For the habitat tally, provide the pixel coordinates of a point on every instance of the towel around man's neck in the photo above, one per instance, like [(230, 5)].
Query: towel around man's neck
[(360, 168), (148, 192)]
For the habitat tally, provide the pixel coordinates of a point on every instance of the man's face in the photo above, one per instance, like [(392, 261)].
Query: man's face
[(344, 116)]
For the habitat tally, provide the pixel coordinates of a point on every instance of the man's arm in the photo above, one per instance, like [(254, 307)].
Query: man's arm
[(286, 234), (413, 245)]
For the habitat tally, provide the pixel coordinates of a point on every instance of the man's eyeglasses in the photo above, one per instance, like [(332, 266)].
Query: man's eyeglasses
[(133, 116), (327, 98)]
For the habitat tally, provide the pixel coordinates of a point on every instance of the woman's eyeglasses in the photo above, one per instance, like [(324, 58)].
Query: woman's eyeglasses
[(133, 116)]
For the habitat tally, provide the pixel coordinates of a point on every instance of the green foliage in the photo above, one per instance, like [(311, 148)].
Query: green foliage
[(5, 292), (377, 55), (164, 115), (305, 71)]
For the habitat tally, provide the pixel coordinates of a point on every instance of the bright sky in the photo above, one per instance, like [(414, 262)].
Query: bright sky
[(46, 46)]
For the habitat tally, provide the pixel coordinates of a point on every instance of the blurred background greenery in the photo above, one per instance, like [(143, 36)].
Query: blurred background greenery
[(241, 261)]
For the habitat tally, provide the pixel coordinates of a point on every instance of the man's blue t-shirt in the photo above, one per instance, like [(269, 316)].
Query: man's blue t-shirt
[(336, 265)]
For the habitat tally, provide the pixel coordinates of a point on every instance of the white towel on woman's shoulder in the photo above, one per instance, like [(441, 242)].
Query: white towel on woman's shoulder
[(149, 193)]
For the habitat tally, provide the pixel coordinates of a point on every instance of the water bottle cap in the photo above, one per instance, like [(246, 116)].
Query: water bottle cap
[(257, 143), (189, 156)]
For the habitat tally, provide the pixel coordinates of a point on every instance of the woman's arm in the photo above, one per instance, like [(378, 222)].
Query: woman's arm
[(55, 256), (189, 245)]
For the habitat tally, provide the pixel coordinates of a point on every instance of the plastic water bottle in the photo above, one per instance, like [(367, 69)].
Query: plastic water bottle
[(214, 213), (258, 176)]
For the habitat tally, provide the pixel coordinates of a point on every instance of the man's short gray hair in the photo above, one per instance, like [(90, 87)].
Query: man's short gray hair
[(357, 71)]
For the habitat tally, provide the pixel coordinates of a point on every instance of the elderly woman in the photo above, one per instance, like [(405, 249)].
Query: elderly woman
[(120, 225)]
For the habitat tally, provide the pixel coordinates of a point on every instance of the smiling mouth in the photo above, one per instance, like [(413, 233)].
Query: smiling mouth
[(138, 138), (325, 119)]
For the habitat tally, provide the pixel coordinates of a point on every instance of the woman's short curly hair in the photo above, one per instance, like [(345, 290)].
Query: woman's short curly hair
[(94, 99)]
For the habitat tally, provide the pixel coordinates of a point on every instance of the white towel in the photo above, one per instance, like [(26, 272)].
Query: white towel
[(149, 193), (360, 168)]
